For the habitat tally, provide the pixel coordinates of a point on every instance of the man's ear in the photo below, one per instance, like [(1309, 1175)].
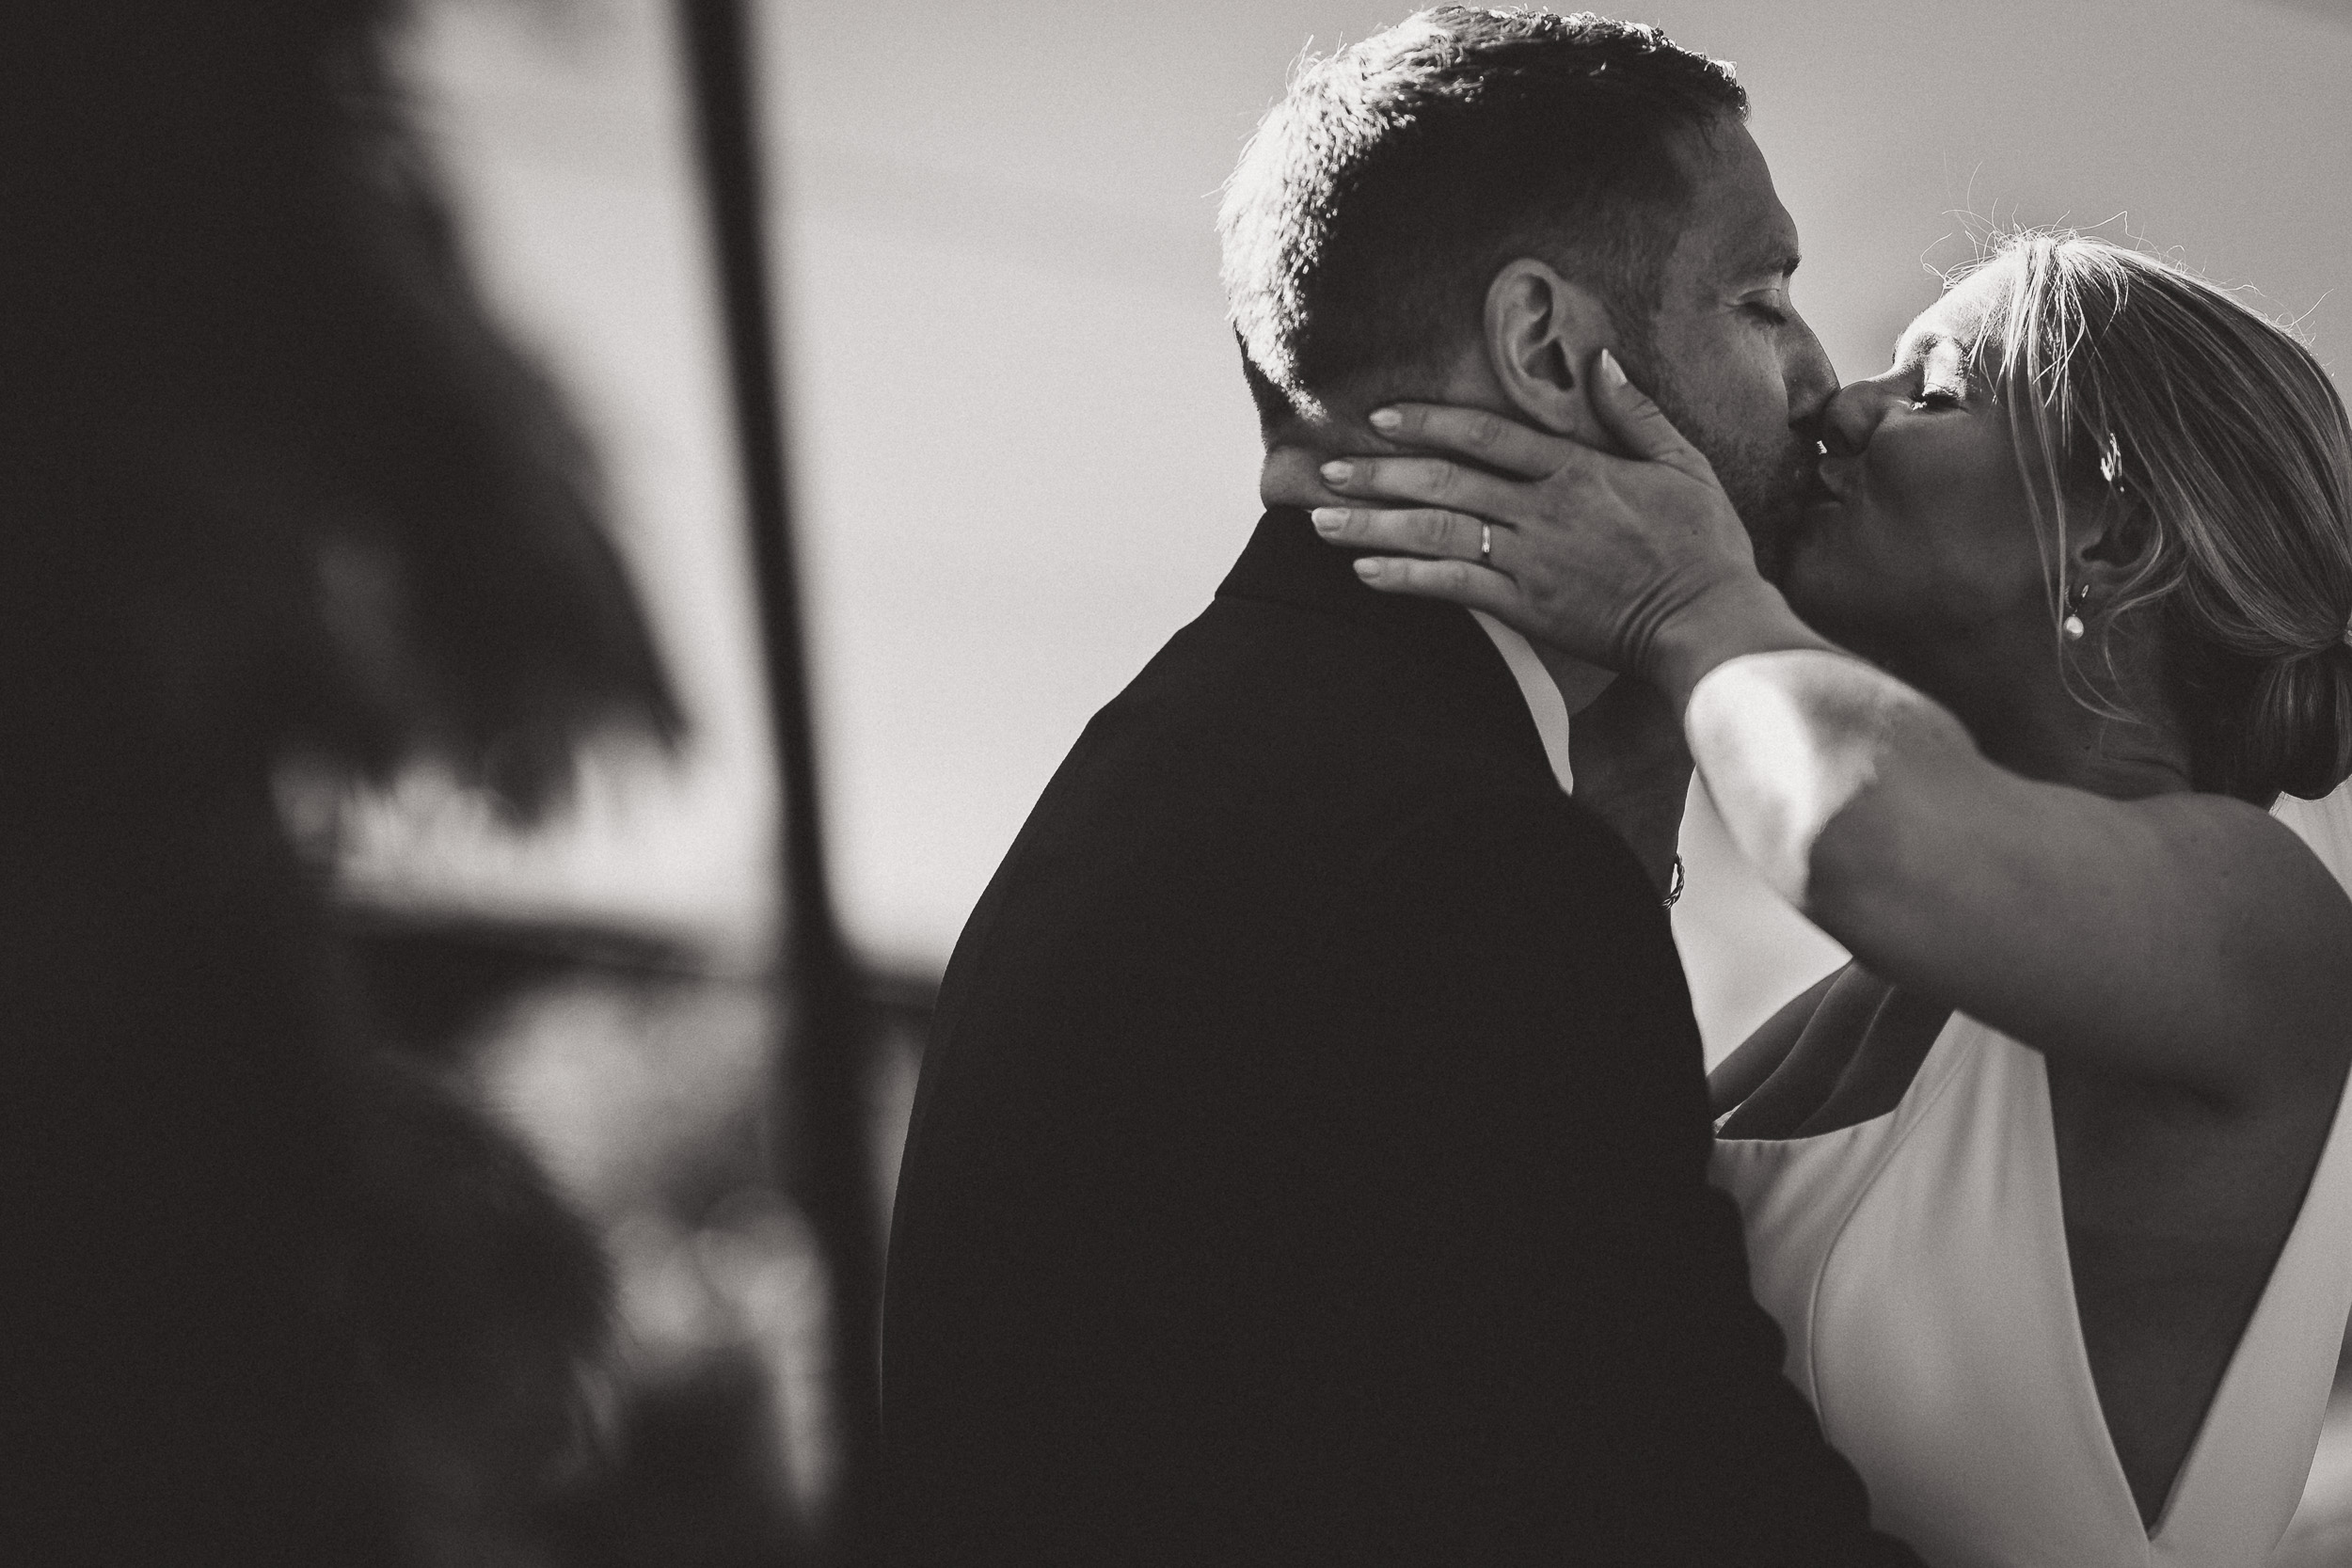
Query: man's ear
[(1541, 332)]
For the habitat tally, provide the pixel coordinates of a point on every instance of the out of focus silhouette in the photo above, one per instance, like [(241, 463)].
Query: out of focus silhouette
[(282, 509)]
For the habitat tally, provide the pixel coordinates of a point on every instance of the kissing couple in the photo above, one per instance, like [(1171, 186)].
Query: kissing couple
[(1313, 1161)]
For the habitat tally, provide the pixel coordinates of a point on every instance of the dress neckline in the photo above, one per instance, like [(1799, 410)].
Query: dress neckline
[(1814, 1190), (1942, 1059)]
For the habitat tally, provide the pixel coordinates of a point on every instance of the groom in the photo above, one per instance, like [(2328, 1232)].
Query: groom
[(1309, 1164)]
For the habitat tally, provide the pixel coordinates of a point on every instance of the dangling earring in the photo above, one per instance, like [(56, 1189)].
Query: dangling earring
[(2075, 603)]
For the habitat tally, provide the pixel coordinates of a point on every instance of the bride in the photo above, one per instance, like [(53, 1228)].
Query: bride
[(2050, 1188)]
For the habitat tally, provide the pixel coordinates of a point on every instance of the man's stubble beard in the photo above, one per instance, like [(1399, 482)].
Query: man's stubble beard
[(1766, 484)]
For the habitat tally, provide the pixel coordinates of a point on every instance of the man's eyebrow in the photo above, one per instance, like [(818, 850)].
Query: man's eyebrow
[(1769, 263)]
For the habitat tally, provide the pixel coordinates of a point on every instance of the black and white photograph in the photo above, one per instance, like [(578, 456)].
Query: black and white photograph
[(1270, 784)]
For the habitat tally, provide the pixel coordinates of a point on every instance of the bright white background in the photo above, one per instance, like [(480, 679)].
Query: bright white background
[(1023, 455)]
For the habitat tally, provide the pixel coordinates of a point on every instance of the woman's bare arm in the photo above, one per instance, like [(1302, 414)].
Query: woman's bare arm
[(2187, 939)]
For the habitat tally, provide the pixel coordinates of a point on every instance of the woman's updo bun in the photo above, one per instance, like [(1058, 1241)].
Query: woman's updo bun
[(2132, 381), (2296, 733)]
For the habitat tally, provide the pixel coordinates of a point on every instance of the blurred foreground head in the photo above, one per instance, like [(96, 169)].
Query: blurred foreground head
[(272, 487), (259, 422)]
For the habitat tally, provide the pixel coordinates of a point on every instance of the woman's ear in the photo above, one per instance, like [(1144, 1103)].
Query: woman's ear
[(2110, 541), (1541, 331)]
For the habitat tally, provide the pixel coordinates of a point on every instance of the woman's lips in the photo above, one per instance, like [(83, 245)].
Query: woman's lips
[(1823, 487)]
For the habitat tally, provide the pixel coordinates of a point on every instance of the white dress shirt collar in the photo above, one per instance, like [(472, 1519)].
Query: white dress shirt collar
[(1544, 704)]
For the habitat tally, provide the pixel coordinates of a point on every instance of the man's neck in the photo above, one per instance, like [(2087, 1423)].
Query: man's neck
[(1334, 424)]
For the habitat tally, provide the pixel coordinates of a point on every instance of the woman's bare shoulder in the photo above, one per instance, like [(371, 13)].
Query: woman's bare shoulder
[(2254, 872), (2185, 938)]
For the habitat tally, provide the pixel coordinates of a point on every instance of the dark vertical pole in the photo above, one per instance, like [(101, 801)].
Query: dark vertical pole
[(822, 1124)]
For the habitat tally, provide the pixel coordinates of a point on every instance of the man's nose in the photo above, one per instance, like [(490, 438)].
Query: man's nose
[(1812, 380)]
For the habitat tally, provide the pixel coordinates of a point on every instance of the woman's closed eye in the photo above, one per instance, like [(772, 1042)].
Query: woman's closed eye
[(1766, 311), (1933, 398)]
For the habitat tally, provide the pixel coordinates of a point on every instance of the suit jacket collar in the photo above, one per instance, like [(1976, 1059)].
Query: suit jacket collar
[(1286, 561)]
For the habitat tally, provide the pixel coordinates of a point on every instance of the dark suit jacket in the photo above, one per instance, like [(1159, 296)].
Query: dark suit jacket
[(1309, 1163)]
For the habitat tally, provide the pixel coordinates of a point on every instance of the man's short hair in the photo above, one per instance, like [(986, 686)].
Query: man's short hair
[(1377, 200)]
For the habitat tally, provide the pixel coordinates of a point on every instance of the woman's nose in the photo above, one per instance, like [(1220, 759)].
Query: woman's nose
[(1852, 415)]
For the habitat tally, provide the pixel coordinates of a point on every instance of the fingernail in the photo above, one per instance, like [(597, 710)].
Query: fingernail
[(1329, 519), (1368, 568), (1610, 370), (1339, 470), (1386, 419)]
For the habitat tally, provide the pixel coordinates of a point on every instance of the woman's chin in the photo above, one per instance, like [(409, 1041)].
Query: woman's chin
[(1817, 584), (1850, 609)]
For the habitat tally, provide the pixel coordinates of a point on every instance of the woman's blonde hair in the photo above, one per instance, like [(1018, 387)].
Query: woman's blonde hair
[(2125, 373)]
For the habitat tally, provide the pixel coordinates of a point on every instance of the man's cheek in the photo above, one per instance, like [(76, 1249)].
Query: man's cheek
[(1750, 412)]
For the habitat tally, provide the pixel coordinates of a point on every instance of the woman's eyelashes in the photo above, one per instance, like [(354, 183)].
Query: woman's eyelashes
[(1766, 311), (1933, 398)]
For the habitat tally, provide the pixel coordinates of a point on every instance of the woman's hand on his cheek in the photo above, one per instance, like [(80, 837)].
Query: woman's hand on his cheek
[(1593, 553)]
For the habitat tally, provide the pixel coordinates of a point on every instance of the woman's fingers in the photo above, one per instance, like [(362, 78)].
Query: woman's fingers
[(1486, 438), (1458, 582), (1436, 481), (1638, 423), (1596, 557), (1420, 530)]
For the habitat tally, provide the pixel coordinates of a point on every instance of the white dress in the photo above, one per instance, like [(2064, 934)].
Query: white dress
[(1917, 1265)]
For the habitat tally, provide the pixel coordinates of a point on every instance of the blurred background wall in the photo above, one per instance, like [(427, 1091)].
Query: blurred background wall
[(1024, 453)]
